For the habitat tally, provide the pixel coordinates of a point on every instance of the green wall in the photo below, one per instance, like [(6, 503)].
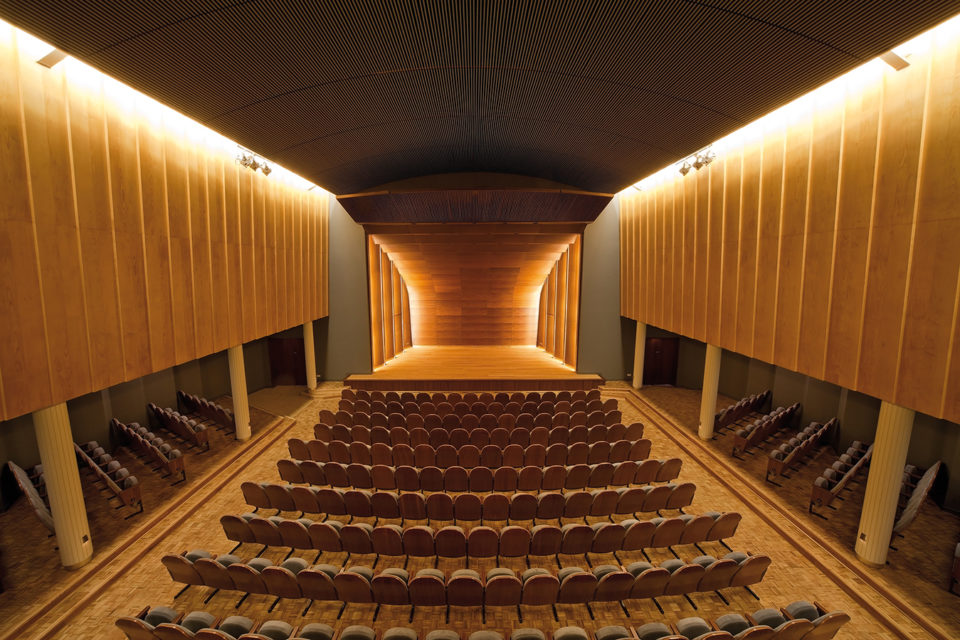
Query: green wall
[(601, 349)]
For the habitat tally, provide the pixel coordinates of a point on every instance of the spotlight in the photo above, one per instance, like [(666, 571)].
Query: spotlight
[(685, 168), (698, 162), (709, 156), (248, 160)]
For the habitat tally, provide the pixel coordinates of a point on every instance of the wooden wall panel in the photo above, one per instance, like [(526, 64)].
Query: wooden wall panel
[(729, 256), (376, 302), (747, 245), (796, 171), (898, 155), (768, 245), (24, 373), (130, 241), (391, 329), (818, 237), (386, 297), (560, 340), (88, 138), (573, 303), (841, 228), (551, 334), (930, 318)]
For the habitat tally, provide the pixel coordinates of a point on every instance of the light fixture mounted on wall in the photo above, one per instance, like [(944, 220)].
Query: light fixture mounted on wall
[(253, 162)]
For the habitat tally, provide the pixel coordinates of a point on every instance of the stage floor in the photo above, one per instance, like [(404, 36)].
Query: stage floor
[(442, 368)]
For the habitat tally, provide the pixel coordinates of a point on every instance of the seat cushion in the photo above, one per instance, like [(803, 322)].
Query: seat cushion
[(159, 615), (566, 572), (366, 572), (196, 620), (533, 571), (570, 633), (431, 572), (295, 565), (769, 617), (653, 631), (228, 559), (636, 568), (802, 609), (276, 630), (732, 622), (470, 573), (442, 634), (357, 632), (692, 627), (485, 635), (527, 634), (196, 554), (236, 626), (500, 571), (399, 633), (316, 631), (400, 573), (613, 632), (604, 569), (259, 564)]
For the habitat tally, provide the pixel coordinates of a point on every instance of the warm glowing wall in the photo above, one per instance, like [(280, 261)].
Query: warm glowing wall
[(390, 331), (559, 317), (130, 240), (826, 241)]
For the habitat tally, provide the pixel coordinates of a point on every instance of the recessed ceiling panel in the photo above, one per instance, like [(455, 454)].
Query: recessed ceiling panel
[(591, 94)]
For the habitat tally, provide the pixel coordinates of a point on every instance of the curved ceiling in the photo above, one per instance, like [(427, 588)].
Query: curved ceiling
[(594, 95)]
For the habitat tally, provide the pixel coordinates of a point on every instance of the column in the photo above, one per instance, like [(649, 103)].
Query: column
[(310, 357), (62, 477), (708, 401), (894, 427), (238, 390), (640, 349)]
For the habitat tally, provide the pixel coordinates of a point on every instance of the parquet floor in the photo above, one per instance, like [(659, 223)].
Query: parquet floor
[(917, 572), (135, 578)]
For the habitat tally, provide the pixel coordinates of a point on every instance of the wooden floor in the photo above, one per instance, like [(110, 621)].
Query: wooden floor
[(467, 368), (133, 577)]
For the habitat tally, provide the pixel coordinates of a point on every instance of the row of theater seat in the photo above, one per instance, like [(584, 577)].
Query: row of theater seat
[(799, 447), (762, 428), (153, 447), (206, 409), (828, 485), (114, 476), (295, 578), (800, 620), (469, 455), (477, 408), (40, 507), (183, 426), (454, 397), (480, 541), (481, 479), (468, 506), (743, 407), (470, 420), (479, 436)]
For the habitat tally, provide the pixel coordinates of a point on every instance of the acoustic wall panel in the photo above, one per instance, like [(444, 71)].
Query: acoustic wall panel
[(130, 240), (824, 238)]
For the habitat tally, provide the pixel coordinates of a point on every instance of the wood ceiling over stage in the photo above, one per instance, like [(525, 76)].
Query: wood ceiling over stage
[(474, 284), (594, 95)]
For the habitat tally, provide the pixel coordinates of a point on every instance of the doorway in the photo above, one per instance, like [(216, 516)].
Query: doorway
[(286, 362), (660, 361)]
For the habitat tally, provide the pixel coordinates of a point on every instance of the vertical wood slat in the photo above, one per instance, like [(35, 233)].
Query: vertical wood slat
[(46, 133), (560, 333), (573, 303), (23, 361), (405, 309), (841, 227), (376, 308), (551, 319), (386, 312), (396, 319), (542, 318), (131, 240)]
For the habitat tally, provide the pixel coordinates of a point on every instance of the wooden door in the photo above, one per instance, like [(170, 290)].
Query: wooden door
[(660, 361), (286, 362)]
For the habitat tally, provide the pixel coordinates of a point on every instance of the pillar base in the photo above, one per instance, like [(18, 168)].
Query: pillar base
[(312, 393), (872, 565), (78, 565)]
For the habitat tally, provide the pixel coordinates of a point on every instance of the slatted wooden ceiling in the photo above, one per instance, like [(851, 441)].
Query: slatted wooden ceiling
[(474, 284), (590, 94)]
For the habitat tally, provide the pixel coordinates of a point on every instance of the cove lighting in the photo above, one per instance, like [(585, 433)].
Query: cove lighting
[(96, 84), (831, 93)]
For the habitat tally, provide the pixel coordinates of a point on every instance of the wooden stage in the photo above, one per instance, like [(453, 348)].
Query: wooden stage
[(457, 368)]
